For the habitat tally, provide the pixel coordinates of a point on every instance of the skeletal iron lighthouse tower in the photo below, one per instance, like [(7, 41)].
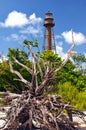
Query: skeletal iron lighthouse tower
[(49, 42)]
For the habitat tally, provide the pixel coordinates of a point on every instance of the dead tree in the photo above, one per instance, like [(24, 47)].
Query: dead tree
[(33, 109)]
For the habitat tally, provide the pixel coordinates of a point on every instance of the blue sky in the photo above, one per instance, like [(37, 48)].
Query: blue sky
[(23, 19)]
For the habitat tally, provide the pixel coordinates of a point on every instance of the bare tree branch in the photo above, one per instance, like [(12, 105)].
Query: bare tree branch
[(28, 69), (69, 54), (34, 76), (36, 60), (20, 76), (7, 93), (47, 78), (8, 96)]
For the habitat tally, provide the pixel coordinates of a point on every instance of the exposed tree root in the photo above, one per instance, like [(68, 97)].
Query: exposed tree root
[(40, 113)]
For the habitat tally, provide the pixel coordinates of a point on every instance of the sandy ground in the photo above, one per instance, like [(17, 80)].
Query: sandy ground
[(81, 124), (2, 114)]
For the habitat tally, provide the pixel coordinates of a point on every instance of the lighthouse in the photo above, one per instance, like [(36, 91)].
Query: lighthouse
[(49, 42)]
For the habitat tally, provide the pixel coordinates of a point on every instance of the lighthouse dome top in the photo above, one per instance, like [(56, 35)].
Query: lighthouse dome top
[(49, 21), (48, 15)]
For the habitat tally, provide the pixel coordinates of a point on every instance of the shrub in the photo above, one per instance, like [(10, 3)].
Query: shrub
[(70, 93)]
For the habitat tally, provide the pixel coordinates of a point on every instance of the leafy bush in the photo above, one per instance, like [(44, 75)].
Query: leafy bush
[(70, 93)]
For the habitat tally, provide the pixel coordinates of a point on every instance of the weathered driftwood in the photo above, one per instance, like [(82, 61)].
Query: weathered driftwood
[(41, 112), (35, 110), (8, 96)]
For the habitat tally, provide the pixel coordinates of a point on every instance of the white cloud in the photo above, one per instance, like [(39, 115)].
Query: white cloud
[(19, 19), (15, 19), (79, 38), (33, 19), (59, 50)]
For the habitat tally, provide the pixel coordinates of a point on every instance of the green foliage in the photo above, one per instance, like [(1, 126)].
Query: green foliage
[(49, 55), (80, 58), (7, 81), (51, 58), (69, 73), (81, 100), (6, 78), (35, 43), (68, 91), (21, 55), (71, 94), (81, 83), (26, 42), (30, 43)]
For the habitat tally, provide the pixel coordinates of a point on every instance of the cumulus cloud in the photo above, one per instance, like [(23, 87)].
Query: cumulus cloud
[(33, 19), (19, 19), (15, 19), (59, 50), (79, 38)]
